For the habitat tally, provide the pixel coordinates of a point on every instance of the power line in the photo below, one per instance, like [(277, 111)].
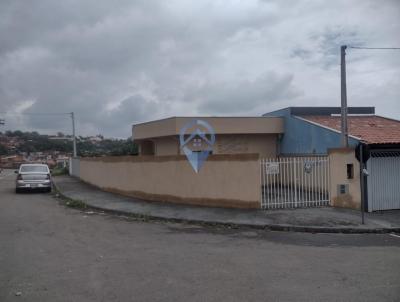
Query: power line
[(358, 47), (33, 113)]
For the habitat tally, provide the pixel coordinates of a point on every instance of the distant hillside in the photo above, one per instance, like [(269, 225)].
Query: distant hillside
[(16, 142)]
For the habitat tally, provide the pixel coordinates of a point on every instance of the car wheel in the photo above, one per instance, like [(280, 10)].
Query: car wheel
[(17, 190)]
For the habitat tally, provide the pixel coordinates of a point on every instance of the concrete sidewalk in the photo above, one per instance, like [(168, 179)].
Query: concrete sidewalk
[(324, 220)]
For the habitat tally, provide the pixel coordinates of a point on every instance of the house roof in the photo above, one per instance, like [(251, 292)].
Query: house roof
[(372, 129), (299, 111), (221, 125)]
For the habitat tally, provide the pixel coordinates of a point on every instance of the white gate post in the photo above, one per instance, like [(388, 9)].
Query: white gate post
[(295, 181)]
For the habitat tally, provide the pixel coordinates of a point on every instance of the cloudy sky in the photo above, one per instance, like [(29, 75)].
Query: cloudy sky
[(115, 63)]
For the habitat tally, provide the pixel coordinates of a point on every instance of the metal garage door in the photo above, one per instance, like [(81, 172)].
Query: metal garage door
[(384, 180)]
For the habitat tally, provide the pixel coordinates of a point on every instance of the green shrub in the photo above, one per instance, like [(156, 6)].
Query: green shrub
[(76, 204), (60, 171)]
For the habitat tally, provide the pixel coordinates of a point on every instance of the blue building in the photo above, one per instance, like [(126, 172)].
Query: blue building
[(314, 130)]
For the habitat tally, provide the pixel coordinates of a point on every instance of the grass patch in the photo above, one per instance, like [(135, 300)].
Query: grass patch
[(72, 203), (59, 171), (77, 204)]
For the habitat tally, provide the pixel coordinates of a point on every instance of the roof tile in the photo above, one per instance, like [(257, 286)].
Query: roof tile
[(371, 129)]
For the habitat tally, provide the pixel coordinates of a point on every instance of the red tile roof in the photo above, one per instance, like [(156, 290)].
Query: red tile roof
[(371, 129)]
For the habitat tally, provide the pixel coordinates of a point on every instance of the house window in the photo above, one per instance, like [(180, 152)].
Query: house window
[(350, 171)]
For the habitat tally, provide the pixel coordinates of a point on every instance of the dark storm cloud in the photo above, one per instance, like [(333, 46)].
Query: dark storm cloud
[(114, 64)]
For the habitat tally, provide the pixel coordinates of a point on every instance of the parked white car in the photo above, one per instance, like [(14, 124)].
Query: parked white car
[(33, 177)]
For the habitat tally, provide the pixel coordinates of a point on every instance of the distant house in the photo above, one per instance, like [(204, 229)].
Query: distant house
[(59, 138), (62, 161), (11, 161)]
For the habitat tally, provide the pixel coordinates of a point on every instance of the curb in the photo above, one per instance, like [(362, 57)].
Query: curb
[(267, 227)]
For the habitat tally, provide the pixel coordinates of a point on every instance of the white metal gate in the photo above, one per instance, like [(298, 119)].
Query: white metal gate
[(294, 182), (383, 180)]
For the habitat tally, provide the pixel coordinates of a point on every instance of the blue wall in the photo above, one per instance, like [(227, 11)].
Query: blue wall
[(302, 137)]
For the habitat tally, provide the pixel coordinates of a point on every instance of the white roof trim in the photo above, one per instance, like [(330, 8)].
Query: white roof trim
[(387, 118), (354, 114)]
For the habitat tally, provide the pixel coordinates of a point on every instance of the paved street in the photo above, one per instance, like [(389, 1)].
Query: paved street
[(52, 253)]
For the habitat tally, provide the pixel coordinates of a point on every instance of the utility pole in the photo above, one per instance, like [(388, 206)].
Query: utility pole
[(73, 134), (344, 129), (362, 172)]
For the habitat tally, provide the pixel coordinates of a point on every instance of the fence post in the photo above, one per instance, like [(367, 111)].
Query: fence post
[(295, 181), (263, 196)]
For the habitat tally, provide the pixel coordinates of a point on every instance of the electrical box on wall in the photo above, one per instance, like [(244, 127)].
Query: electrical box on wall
[(342, 189)]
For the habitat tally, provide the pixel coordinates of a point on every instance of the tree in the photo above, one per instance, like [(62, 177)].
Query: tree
[(3, 150), (34, 142)]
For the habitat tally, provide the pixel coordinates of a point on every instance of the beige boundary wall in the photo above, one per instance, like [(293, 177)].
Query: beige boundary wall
[(223, 181), (339, 158)]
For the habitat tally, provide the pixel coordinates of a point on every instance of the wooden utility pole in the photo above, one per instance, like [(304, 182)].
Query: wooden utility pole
[(344, 130)]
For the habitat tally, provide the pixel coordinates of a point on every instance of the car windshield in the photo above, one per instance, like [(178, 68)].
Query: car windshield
[(34, 169)]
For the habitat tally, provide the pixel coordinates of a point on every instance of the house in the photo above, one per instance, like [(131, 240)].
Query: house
[(290, 158), (11, 161), (62, 161), (301, 153), (234, 135), (313, 130), (291, 131), (316, 130)]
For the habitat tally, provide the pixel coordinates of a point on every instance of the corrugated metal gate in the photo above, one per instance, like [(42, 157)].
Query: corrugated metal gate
[(383, 180), (294, 182)]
